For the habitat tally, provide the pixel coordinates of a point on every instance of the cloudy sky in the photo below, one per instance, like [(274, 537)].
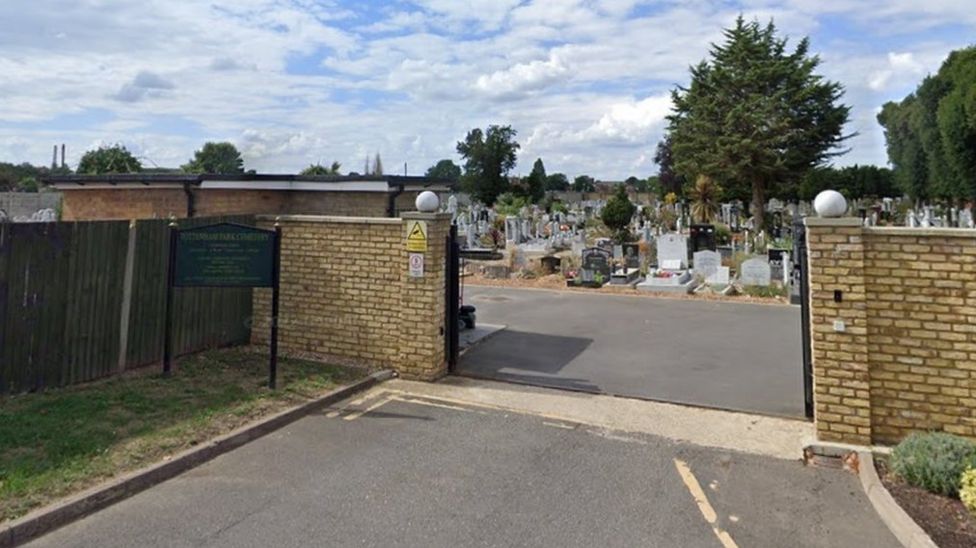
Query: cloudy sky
[(292, 82)]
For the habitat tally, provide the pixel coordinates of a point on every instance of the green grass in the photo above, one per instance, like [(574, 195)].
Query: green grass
[(61, 441)]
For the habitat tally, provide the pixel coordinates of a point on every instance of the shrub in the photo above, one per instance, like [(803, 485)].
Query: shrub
[(933, 461), (967, 489)]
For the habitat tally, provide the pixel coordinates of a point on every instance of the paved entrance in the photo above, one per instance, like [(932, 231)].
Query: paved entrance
[(717, 354), (398, 468)]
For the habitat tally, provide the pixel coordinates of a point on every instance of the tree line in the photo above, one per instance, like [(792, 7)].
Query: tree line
[(931, 133)]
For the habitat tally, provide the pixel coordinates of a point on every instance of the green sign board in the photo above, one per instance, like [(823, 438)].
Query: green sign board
[(224, 255)]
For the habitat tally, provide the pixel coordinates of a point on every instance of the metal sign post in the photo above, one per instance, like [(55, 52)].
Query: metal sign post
[(224, 255)]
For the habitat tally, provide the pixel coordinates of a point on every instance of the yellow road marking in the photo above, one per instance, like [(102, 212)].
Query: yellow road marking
[(707, 511)]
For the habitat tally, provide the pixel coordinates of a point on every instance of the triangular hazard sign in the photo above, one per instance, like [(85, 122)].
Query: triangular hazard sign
[(417, 233)]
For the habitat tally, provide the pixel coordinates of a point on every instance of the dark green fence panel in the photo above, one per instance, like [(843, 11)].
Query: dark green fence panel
[(96, 275), (62, 287), (202, 317), (61, 296)]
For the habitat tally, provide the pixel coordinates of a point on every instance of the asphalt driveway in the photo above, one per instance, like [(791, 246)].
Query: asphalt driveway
[(397, 469), (737, 356)]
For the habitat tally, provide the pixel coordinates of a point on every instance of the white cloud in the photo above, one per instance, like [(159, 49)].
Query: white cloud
[(585, 82), (523, 77)]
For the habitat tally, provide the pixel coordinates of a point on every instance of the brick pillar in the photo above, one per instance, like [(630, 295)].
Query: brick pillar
[(422, 309), (841, 375)]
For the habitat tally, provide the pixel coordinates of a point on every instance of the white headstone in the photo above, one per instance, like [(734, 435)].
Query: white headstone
[(719, 277), (755, 272), (671, 247), (706, 262)]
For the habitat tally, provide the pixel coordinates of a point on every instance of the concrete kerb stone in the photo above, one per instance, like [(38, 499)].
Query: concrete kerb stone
[(901, 525), (898, 521), (45, 520)]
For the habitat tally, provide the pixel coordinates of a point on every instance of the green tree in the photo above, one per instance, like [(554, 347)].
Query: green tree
[(557, 182), (756, 116), (319, 169), (108, 159), (377, 165), (219, 158), (618, 213), (535, 183), (668, 180), (931, 134), (584, 183), (444, 169), (905, 150), (488, 157)]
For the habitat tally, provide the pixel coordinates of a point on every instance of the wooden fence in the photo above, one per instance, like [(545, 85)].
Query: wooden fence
[(84, 300)]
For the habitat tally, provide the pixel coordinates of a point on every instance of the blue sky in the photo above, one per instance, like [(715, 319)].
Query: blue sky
[(292, 82)]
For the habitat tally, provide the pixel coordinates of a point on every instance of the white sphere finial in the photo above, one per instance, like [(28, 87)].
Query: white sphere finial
[(830, 203), (427, 202)]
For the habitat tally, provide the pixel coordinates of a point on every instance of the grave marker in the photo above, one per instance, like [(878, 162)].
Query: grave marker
[(755, 271)]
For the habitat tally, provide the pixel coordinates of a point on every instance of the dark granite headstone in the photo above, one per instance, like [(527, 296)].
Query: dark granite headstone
[(702, 237), (631, 255)]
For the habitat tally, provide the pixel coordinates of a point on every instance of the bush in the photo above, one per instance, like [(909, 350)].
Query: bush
[(967, 490), (933, 461)]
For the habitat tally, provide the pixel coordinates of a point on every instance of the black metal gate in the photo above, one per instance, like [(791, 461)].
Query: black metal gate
[(452, 300), (801, 278)]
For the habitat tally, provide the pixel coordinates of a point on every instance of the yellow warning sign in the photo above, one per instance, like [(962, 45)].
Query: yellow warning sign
[(417, 236)]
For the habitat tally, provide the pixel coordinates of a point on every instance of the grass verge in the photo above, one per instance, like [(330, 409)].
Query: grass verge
[(62, 441)]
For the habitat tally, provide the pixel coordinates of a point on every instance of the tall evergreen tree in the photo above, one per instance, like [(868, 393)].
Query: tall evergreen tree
[(931, 134), (377, 165), (756, 116), (536, 182), (667, 178)]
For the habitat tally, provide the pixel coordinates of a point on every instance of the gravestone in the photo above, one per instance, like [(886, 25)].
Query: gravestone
[(672, 247), (702, 237), (595, 261), (706, 263), (631, 255), (719, 277), (755, 271), (776, 263)]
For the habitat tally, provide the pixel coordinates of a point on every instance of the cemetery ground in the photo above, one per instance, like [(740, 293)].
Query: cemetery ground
[(473, 463), (61, 441), (711, 353)]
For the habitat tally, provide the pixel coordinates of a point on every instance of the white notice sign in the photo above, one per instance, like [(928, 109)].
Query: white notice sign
[(416, 265)]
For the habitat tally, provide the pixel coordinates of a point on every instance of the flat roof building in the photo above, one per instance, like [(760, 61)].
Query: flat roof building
[(147, 196)]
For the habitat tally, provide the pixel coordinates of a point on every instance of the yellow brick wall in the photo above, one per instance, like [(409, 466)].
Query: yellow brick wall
[(842, 396), (914, 292), (345, 294), (149, 203), (85, 204)]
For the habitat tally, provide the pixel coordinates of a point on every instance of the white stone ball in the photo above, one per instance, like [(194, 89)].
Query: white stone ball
[(427, 202), (830, 203)]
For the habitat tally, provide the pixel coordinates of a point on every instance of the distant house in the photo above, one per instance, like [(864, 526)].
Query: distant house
[(162, 195)]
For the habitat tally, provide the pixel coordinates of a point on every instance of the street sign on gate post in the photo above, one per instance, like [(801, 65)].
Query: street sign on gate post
[(224, 255)]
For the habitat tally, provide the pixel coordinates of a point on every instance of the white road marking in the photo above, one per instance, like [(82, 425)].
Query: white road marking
[(705, 507), (356, 414), (356, 402)]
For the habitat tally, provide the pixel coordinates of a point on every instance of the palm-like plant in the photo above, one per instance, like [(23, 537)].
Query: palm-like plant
[(705, 199)]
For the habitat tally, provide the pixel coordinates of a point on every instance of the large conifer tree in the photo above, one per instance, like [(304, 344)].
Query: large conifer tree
[(755, 115)]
